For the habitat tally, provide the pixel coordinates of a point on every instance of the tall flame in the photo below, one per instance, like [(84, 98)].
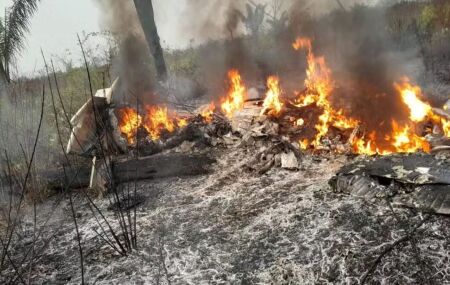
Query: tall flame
[(420, 110), (236, 95), (319, 86), (129, 123), (272, 101), (446, 127)]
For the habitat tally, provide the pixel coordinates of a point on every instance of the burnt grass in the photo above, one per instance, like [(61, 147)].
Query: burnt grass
[(233, 226)]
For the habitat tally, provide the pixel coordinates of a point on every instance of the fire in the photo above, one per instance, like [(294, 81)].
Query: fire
[(157, 120), (401, 140), (446, 127), (420, 110), (208, 112), (236, 95), (319, 86), (272, 101), (410, 96), (405, 140), (304, 144), (129, 123), (182, 122)]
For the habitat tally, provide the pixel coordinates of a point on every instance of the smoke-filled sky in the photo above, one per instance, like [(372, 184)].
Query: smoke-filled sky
[(57, 22)]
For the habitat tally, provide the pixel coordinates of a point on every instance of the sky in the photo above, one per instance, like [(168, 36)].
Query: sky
[(55, 26)]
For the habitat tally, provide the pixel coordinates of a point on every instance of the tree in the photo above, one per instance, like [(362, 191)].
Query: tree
[(255, 17), (146, 15), (12, 34)]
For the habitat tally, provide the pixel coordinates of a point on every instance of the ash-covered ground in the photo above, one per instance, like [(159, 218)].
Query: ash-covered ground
[(235, 226)]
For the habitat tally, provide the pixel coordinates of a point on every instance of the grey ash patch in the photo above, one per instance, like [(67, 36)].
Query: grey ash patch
[(238, 227)]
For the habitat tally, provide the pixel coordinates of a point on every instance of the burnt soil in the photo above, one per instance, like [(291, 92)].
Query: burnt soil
[(235, 226)]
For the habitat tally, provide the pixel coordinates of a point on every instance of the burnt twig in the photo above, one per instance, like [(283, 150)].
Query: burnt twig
[(391, 247)]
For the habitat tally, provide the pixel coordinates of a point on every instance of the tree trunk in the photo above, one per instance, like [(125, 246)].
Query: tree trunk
[(144, 9), (126, 170), (3, 78)]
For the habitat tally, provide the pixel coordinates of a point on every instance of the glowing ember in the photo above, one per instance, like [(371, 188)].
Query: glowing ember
[(236, 95), (272, 103), (181, 122), (304, 144), (129, 122), (299, 122)]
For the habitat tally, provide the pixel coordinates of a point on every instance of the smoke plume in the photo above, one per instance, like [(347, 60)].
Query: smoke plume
[(132, 64)]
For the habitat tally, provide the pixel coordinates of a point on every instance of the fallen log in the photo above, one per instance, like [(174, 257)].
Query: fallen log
[(126, 170), (160, 166), (68, 178)]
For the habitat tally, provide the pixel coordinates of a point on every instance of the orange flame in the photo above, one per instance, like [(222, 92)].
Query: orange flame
[(410, 95), (272, 101), (182, 122), (236, 95), (129, 123), (419, 110), (157, 120), (304, 144), (446, 127), (208, 112), (319, 85), (402, 139), (405, 140)]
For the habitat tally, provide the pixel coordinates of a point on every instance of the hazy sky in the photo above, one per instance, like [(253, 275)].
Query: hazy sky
[(57, 22), (55, 26)]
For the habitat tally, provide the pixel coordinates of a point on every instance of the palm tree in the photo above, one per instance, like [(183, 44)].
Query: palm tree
[(13, 28), (255, 17), (146, 16)]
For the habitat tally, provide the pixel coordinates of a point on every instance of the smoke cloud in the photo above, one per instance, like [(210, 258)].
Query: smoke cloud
[(132, 64)]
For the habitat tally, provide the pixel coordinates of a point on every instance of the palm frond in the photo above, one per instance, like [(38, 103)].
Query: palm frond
[(17, 24)]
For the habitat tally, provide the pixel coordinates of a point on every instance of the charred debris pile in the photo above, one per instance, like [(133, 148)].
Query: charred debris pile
[(143, 141)]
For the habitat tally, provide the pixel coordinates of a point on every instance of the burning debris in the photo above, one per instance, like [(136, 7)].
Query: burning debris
[(310, 119), (280, 128)]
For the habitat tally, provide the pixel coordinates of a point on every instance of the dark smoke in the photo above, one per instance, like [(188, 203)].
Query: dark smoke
[(133, 63), (366, 62)]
